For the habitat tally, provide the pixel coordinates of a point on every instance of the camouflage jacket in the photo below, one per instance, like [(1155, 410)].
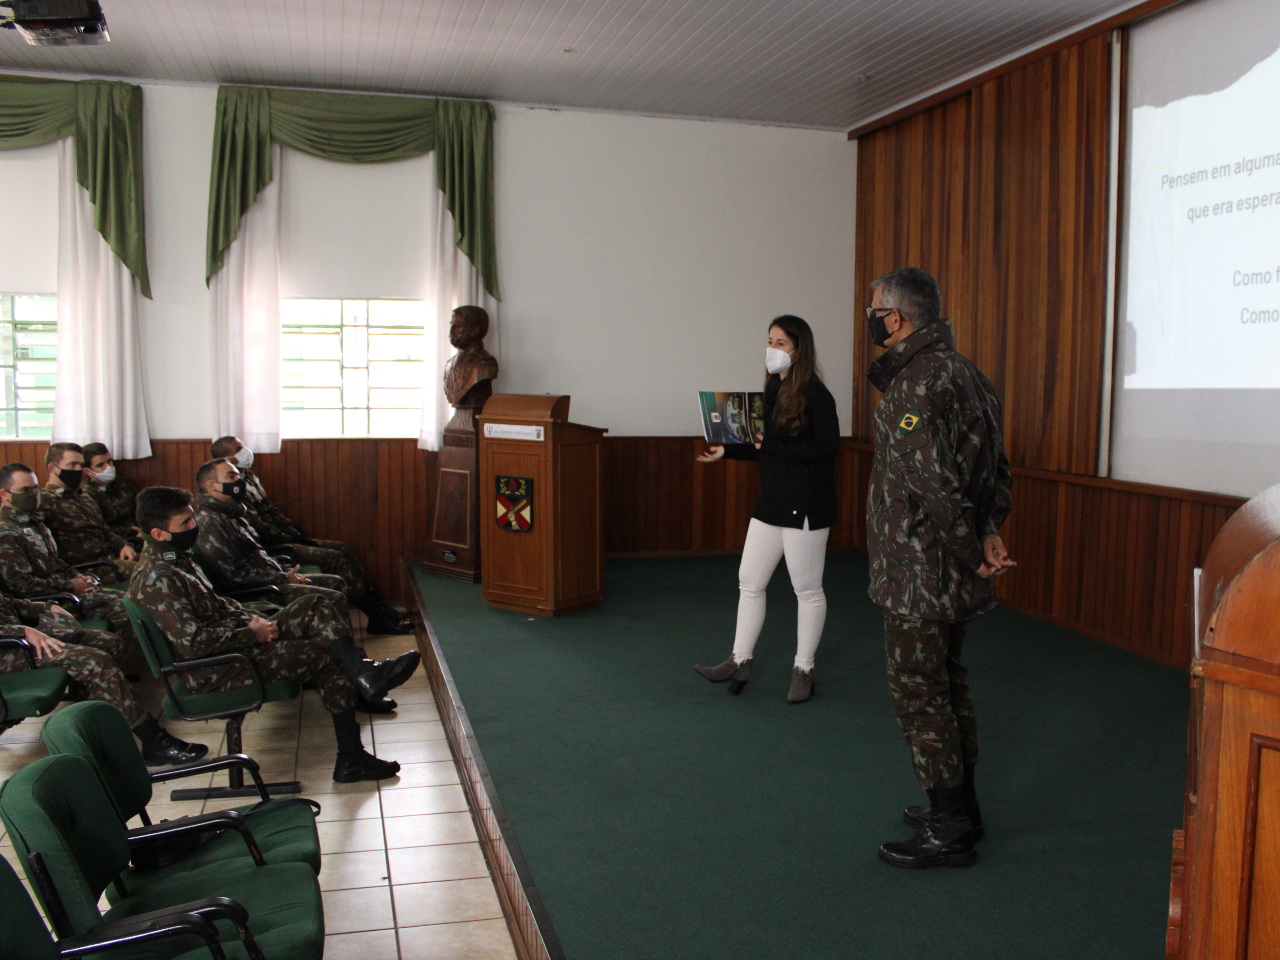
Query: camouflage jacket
[(29, 561), (75, 520), (170, 586), (229, 549), (940, 480), (17, 614), (118, 502), (272, 526)]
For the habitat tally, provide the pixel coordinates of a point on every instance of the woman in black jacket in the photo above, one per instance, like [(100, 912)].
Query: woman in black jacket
[(796, 506)]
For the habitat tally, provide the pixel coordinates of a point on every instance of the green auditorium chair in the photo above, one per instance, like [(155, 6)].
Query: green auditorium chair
[(181, 703), (284, 827), (56, 807), (28, 693), (167, 935)]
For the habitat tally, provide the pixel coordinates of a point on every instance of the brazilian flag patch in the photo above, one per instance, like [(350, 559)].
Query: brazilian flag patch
[(910, 420)]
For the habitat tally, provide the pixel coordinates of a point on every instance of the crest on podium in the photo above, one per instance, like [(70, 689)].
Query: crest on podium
[(514, 502)]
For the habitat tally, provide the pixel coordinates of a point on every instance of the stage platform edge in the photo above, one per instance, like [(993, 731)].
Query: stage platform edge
[(526, 916)]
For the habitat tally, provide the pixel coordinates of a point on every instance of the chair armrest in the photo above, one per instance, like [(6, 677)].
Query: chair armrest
[(282, 552), (210, 910), (131, 930), (209, 766), (266, 591), (68, 601), (23, 645), (105, 562), (183, 666), (217, 820)]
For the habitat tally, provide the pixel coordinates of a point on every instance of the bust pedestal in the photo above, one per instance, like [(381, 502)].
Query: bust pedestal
[(454, 550)]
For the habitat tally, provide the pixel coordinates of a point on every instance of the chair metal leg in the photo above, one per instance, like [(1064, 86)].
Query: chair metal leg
[(236, 787)]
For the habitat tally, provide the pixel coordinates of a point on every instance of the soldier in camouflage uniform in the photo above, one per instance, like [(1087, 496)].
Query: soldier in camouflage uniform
[(115, 494), (91, 659), (274, 529), (306, 642), (75, 519), (229, 550), (30, 565), (939, 491)]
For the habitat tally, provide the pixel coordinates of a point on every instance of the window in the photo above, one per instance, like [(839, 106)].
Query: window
[(352, 368), (29, 363)]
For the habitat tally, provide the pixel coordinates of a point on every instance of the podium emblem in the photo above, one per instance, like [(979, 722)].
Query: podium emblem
[(514, 496)]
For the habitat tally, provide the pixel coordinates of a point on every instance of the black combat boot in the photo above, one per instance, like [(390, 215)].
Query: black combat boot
[(383, 617), (385, 705), (354, 762), (160, 747), (946, 839), (736, 673), (916, 816), (373, 677)]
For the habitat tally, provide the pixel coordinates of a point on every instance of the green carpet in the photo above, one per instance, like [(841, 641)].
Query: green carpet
[(662, 818)]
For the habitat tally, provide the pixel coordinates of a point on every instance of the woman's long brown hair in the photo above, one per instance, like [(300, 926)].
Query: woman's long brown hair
[(793, 391)]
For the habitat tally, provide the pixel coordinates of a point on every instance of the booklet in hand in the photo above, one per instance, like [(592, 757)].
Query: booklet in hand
[(732, 417)]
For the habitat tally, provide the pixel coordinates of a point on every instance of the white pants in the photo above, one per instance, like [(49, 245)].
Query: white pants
[(806, 553)]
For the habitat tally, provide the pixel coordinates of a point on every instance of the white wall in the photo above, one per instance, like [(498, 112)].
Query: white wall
[(29, 226), (640, 258)]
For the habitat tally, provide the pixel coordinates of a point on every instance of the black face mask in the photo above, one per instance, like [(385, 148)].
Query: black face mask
[(71, 479), (879, 332), (184, 539), (235, 489)]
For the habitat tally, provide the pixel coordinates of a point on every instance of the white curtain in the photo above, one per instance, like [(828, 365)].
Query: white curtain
[(246, 325), (246, 305), (451, 282), (99, 394)]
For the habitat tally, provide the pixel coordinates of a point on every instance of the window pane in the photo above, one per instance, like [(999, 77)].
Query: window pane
[(394, 423), (28, 364), (397, 374), (397, 346), (397, 313), (352, 368)]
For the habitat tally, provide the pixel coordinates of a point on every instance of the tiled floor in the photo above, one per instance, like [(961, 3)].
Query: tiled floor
[(403, 875)]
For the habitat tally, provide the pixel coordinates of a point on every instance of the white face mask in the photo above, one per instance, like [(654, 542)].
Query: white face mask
[(244, 459), (775, 361), (105, 475)]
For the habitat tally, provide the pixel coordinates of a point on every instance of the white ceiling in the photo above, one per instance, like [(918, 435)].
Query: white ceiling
[(831, 64)]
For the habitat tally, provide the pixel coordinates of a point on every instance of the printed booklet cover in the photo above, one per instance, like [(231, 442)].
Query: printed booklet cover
[(732, 417)]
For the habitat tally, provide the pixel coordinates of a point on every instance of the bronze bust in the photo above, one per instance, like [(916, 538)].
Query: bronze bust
[(469, 375)]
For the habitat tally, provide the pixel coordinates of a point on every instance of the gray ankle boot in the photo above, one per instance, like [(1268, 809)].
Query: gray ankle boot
[(801, 685), (736, 673)]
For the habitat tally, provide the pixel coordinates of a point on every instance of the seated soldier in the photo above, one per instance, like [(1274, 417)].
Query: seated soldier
[(229, 552), (91, 659), (306, 642), (75, 519), (274, 529), (228, 547), (30, 565), (115, 494)]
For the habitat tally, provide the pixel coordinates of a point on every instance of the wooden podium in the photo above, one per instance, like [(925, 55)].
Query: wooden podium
[(541, 524), (1224, 896)]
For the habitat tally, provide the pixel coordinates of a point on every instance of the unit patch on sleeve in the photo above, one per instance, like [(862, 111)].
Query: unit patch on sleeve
[(514, 504)]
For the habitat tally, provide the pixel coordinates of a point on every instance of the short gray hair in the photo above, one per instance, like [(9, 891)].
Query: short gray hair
[(913, 292)]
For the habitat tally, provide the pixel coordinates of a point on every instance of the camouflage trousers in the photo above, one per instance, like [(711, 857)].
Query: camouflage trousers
[(324, 585), (335, 557), (107, 605), (300, 654), (929, 687), (93, 671)]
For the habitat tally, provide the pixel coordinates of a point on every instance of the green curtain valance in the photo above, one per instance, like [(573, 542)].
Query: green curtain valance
[(105, 117), (354, 128)]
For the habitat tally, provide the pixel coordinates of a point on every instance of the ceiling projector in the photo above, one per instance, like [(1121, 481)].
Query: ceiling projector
[(57, 23)]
